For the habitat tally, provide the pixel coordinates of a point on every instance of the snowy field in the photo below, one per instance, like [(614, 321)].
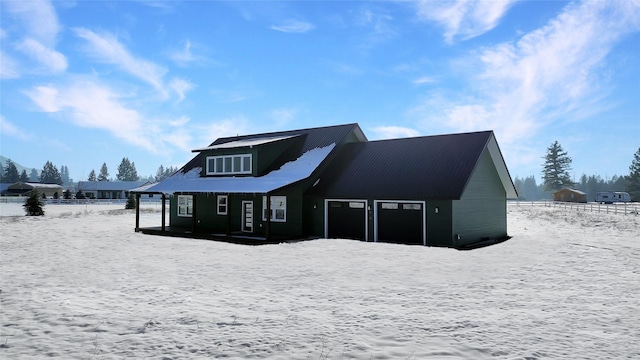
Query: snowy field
[(78, 283)]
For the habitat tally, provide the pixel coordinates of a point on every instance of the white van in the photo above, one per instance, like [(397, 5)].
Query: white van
[(609, 197)]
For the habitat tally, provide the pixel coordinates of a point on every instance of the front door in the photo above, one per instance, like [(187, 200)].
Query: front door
[(247, 216)]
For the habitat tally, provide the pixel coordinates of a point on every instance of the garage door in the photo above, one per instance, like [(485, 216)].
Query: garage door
[(346, 219), (400, 222)]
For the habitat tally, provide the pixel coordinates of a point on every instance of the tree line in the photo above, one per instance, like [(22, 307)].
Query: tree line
[(51, 175), (556, 175)]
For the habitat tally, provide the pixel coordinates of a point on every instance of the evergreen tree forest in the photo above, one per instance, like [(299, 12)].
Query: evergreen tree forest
[(528, 188)]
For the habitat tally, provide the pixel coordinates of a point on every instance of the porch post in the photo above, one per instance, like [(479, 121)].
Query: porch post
[(228, 215), (193, 213), (268, 230), (137, 212), (164, 198)]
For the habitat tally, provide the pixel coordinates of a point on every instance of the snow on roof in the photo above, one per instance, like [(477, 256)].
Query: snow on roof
[(289, 173), (245, 143), (33, 185)]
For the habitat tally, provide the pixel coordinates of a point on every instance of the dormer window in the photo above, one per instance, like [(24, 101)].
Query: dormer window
[(239, 164)]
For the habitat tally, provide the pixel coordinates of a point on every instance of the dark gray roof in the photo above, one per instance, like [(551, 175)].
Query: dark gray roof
[(430, 167), (311, 138)]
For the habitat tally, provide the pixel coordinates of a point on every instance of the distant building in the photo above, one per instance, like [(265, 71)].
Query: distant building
[(570, 195), (108, 189), (27, 188)]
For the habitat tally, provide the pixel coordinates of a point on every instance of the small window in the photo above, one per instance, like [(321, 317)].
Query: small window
[(412, 206), (246, 164), (185, 205), (222, 204), (219, 168), (356, 205), (278, 208), (227, 165)]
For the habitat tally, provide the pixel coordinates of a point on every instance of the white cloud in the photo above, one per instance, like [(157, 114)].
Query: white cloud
[(106, 48), (9, 129), (393, 132), (283, 116), (183, 56), (180, 87), (293, 26), (39, 18), (8, 67), (40, 28), (221, 128), (89, 104), (424, 80), (464, 18), (54, 61), (550, 74)]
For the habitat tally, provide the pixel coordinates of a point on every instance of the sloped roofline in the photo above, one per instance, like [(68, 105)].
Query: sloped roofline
[(501, 167)]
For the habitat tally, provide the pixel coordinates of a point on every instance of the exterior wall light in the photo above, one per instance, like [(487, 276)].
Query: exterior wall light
[(437, 210)]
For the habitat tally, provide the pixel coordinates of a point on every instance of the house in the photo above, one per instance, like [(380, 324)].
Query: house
[(27, 188), (446, 190), (570, 195), (108, 189)]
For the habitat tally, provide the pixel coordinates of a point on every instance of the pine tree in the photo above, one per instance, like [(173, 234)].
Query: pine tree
[(64, 174), (24, 177), (131, 202), (33, 177), (127, 171), (555, 171), (10, 174), (633, 179), (33, 205), (104, 173), (160, 174), (50, 174), (92, 176), (164, 173)]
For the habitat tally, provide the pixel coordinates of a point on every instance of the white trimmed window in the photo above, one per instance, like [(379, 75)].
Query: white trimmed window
[(185, 205), (222, 204), (229, 164), (278, 208)]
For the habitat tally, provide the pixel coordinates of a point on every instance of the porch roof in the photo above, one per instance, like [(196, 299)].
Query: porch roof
[(289, 173)]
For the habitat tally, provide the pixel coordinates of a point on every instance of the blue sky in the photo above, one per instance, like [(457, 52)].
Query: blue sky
[(87, 82)]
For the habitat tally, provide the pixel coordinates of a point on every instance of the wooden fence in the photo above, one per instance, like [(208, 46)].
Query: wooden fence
[(632, 208)]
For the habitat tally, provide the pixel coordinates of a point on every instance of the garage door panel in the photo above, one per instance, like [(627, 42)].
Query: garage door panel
[(346, 220), (399, 222)]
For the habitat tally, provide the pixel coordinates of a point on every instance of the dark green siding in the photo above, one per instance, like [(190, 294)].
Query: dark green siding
[(313, 220), (439, 225), (207, 220), (481, 212)]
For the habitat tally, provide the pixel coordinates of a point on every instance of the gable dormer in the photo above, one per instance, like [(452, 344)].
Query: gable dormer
[(253, 156)]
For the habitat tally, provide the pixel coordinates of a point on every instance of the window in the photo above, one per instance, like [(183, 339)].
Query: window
[(278, 208), (412, 206), (185, 205), (222, 204), (390, 206), (229, 164)]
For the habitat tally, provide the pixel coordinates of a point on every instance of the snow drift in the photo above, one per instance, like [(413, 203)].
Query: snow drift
[(79, 283)]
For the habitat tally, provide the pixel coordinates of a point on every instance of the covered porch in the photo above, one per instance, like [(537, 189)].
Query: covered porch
[(234, 238), (193, 228)]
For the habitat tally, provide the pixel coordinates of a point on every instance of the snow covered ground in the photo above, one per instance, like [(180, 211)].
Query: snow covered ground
[(78, 283)]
